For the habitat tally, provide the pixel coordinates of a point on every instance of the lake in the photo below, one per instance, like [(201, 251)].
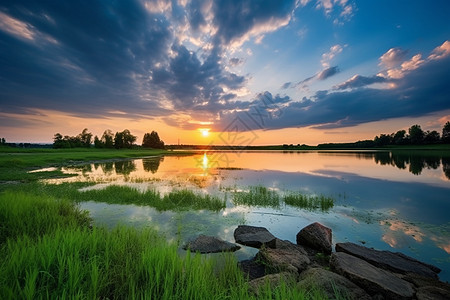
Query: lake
[(397, 201)]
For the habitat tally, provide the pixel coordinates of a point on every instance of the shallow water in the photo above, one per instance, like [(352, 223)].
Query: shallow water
[(389, 201)]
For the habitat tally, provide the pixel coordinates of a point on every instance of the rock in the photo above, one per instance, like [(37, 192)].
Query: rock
[(332, 284), (277, 260), (252, 268), (209, 244), (396, 262), (287, 245), (372, 279), (315, 236), (273, 280), (254, 236), (432, 293)]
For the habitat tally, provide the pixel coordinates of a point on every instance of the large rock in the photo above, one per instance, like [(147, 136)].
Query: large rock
[(372, 279), (287, 245), (254, 236), (396, 262), (209, 244), (316, 236), (334, 285), (276, 260)]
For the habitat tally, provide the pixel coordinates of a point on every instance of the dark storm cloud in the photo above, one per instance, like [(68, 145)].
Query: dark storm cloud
[(322, 75), (421, 91), (94, 57), (328, 72), (360, 81), (91, 60), (235, 18)]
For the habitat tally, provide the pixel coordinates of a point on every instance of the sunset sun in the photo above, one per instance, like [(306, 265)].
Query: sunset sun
[(204, 132)]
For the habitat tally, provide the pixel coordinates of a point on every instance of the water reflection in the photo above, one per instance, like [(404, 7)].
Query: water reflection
[(152, 164), (415, 162)]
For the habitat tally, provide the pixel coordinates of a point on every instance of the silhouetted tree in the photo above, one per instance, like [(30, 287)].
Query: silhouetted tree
[(432, 137), (108, 139), (152, 140), (124, 139), (400, 137), (85, 138), (383, 140), (98, 143), (416, 135), (3, 141), (446, 133)]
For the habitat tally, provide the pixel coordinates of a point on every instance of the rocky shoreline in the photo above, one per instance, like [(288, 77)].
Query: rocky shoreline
[(352, 271)]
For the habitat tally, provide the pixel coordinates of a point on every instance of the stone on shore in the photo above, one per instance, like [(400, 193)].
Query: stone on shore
[(209, 244), (316, 236), (396, 262), (291, 260), (254, 236), (332, 284), (372, 279)]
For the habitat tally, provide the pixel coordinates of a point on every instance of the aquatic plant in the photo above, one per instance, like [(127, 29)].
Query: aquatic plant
[(257, 196), (311, 202)]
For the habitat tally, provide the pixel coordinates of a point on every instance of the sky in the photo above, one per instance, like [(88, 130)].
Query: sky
[(224, 72)]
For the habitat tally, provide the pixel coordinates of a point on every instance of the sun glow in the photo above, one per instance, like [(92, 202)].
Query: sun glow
[(204, 131)]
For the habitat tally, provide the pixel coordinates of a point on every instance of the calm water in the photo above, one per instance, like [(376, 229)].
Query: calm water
[(397, 202)]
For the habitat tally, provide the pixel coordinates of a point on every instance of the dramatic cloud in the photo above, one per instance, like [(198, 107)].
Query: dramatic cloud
[(392, 57), (360, 81), (408, 98), (142, 58), (239, 20)]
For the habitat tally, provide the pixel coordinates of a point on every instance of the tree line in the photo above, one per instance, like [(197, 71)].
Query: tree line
[(414, 136), (109, 140)]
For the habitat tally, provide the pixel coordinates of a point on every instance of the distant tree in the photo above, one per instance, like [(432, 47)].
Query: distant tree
[(108, 139), (85, 138), (124, 139), (432, 137), (3, 141), (416, 135), (446, 133), (400, 137), (58, 141), (118, 140), (152, 140), (98, 143), (383, 140)]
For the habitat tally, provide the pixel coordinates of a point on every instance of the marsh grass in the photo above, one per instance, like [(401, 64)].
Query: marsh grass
[(262, 196), (310, 202), (257, 196), (24, 214)]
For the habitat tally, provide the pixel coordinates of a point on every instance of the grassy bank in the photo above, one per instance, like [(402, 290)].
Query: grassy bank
[(49, 251), (15, 162)]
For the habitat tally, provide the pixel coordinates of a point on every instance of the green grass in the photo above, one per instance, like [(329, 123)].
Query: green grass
[(257, 196), (31, 215), (66, 259), (309, 201), (264, 197), (177, 200)]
